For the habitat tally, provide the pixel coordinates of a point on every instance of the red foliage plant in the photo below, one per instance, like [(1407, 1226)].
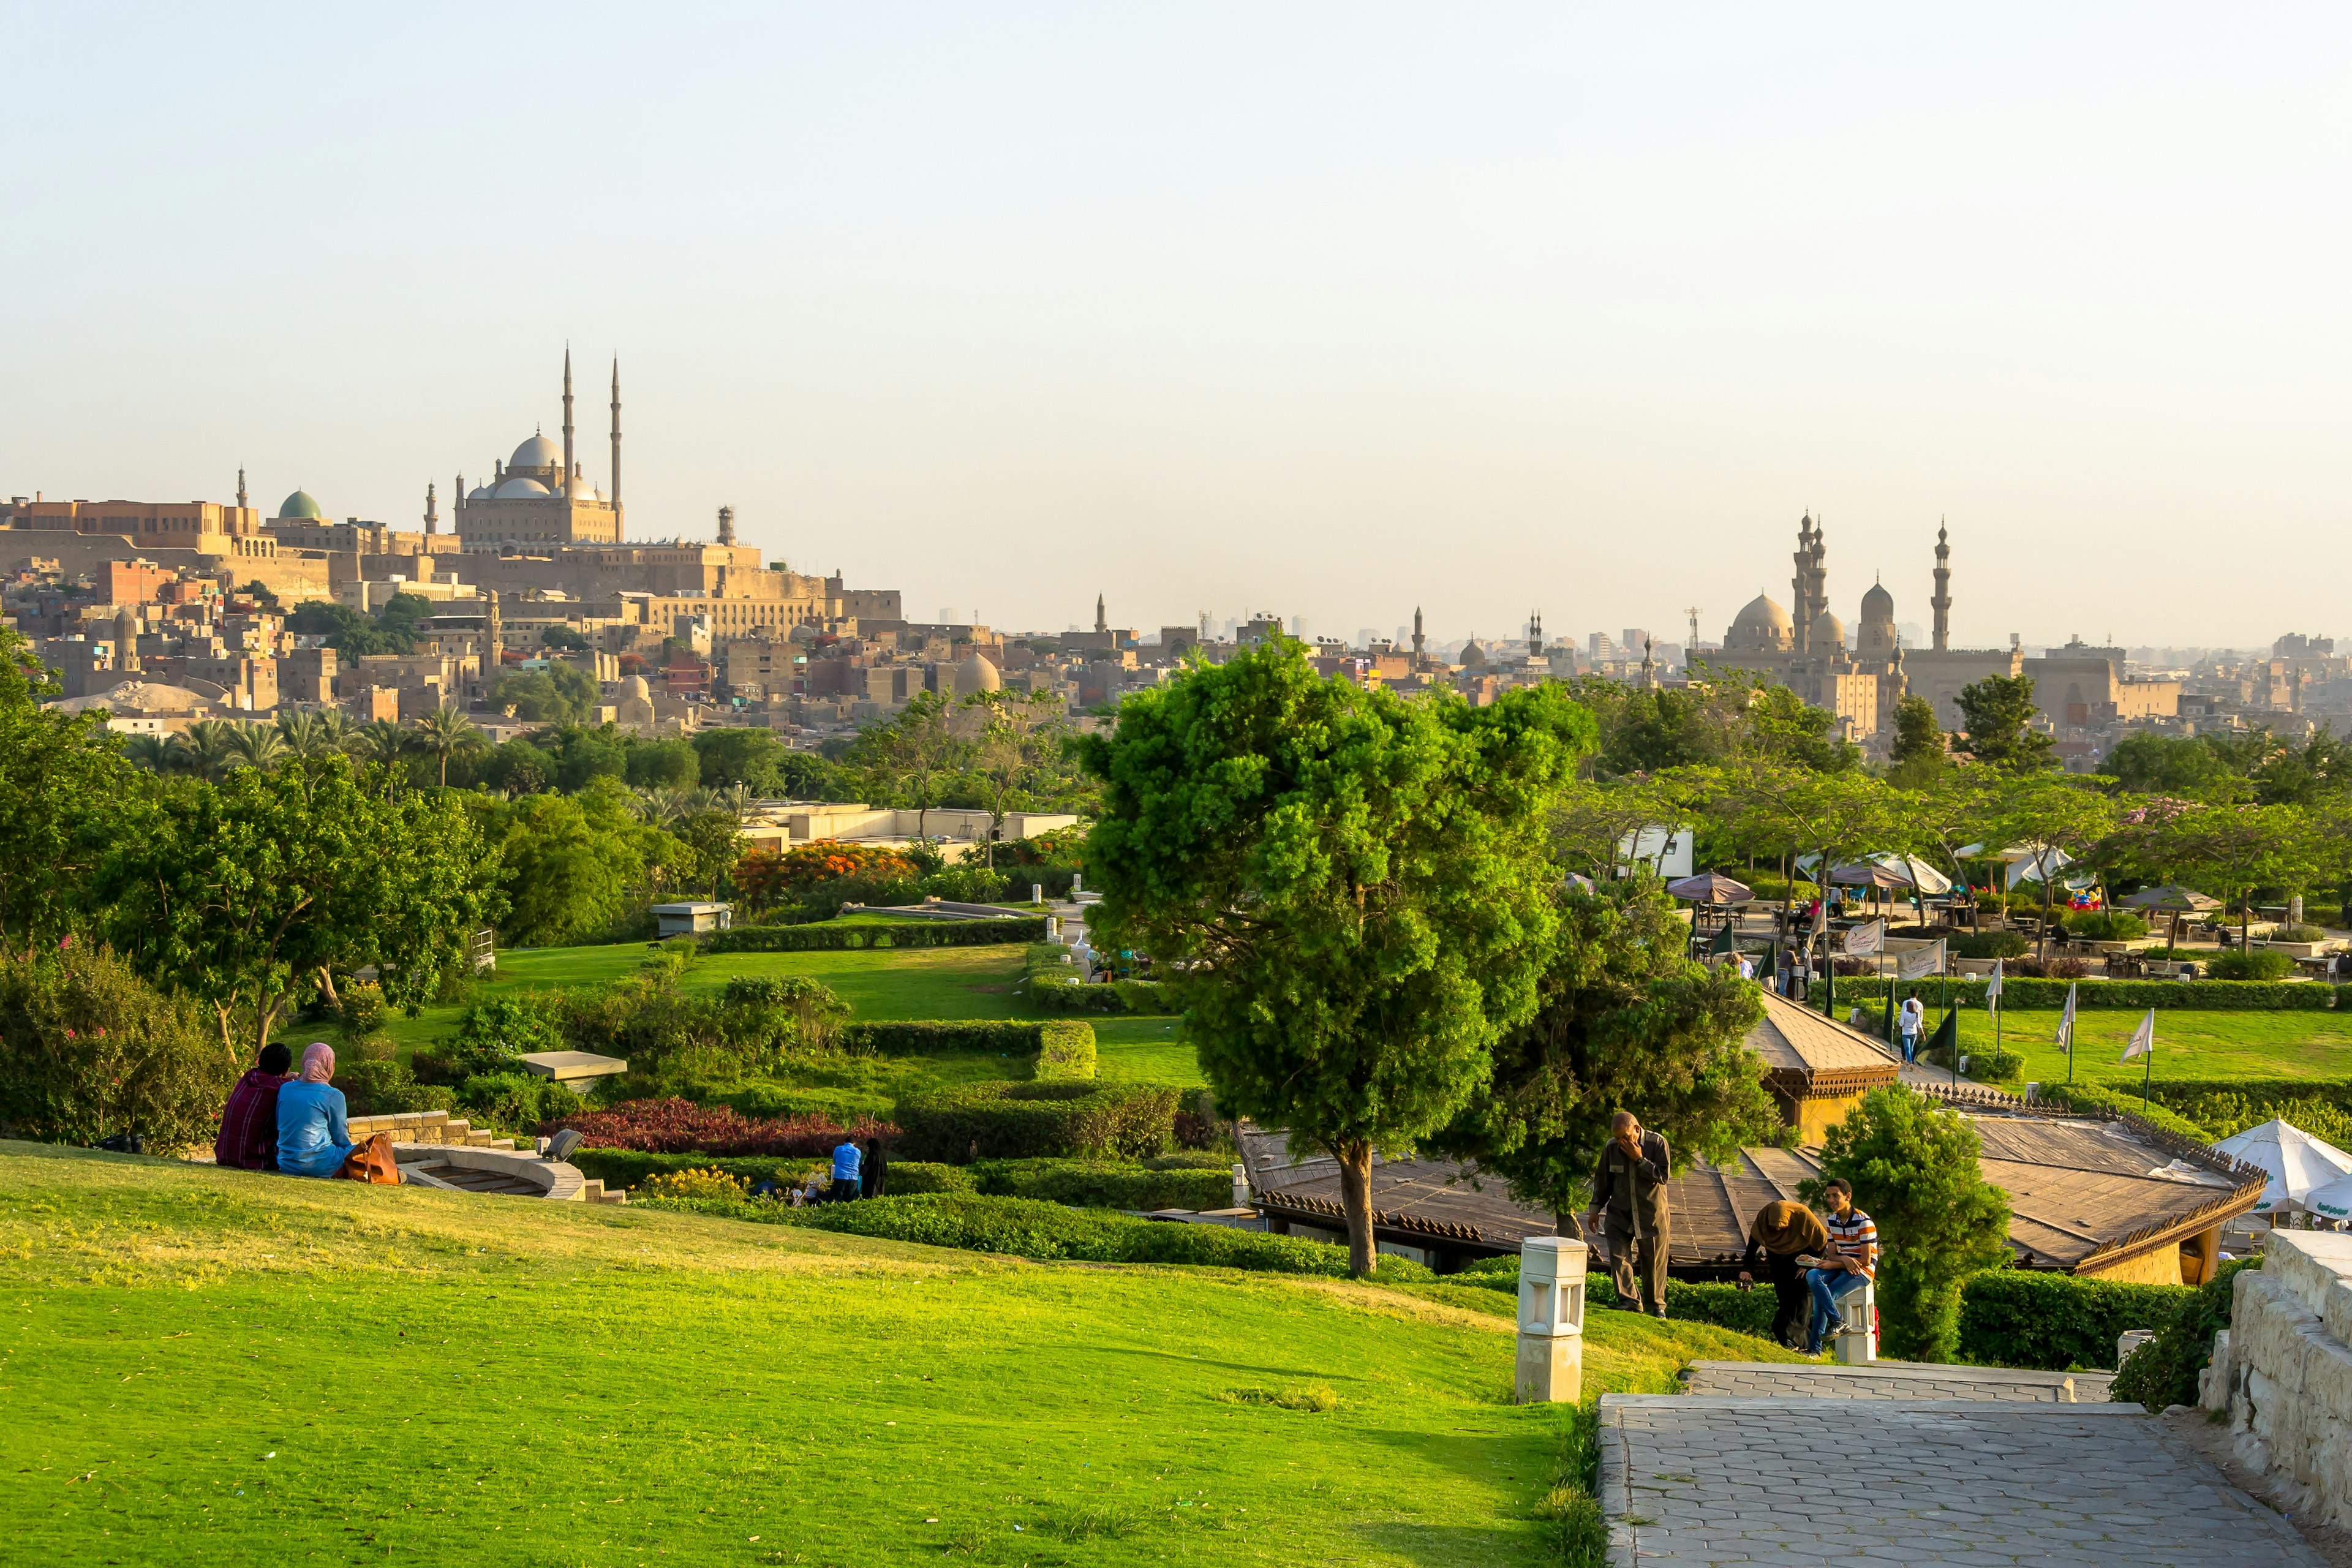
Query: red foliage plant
[(682, 1127)]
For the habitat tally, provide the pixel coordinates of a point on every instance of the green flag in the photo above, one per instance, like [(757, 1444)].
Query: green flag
[(1948, 1035), (1724, 942)]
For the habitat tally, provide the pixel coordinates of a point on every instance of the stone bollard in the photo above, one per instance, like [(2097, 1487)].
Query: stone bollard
[(2129, 1341), (1036, 892), (1857, 1328), (1552, 1321), (1241, 1186), (1078, 884)]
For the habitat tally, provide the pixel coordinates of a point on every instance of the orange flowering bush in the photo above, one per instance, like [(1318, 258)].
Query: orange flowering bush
[(764, 879)]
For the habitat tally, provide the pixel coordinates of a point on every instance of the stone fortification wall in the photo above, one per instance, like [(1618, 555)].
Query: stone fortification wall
[(2282, 1370)]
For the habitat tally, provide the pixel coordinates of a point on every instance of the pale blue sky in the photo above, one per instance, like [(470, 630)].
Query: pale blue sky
[(1328, 309)]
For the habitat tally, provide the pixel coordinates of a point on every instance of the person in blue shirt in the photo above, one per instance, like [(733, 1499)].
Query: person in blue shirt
[(312, 1137), (845, 1160)]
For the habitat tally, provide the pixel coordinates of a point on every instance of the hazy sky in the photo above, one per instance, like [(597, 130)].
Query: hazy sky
[(1331, 310)]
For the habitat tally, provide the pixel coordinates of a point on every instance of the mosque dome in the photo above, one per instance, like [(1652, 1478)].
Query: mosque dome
[(482, 493), (976, 675), (1473, 655), (1877, 605), (520, 488), (139, 697), (579, 488), (539, 452), (1762, 626), (299, 504), (1829, 633), (635, 689)]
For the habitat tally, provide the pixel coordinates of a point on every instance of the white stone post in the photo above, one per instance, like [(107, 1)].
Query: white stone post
[(1078, 883), (1552, 1321), (1241, 1186), (1036, 892), (1857, 1328)]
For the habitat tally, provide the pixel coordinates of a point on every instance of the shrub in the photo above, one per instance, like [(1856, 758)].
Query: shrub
[(88, 1050), (1068, 994), (1104, 1183), (697, 1182), (2163, 1372), (831, 936), (386, 1088), (2017, 1316), (633, 1167), (1026, 1121), (815, 1012), (2134, 996), (680, 1126), (1986, 1066), (515, 1101), (361, 1011), (2051, 969), (1065, 1049), (2104, 925), (2261, 964), (2095, 1100), (2298, 934), (1069, 1043), (1023, 1228), (1990, 944)]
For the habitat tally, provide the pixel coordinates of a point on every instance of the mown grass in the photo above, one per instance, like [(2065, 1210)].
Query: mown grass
[(2219, 1045), (218, 1367)]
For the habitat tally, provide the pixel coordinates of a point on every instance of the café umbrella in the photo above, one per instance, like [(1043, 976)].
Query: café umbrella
[(2299, 1165), (2174, 899)]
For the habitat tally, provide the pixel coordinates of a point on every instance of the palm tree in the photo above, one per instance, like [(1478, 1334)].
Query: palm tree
[(378, 741), (257, 746), (207, 748), (443, 731), (658, 807), (308, 736), (152, 753)]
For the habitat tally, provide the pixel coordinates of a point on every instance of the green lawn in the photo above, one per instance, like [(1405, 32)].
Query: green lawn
[(2220, 1044), (220, 1367)]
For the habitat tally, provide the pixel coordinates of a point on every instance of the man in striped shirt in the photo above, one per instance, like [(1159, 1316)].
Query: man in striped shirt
[(1852, 1259)]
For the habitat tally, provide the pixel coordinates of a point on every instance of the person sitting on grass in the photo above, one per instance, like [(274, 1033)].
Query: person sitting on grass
[(1851, 1261), (248, 1129), (1783, 1233), (845, 1162), (313, 1135)]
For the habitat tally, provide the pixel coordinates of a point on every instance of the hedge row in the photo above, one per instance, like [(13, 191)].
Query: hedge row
[(1023, 1228), (1104, 1183), (1036, 1120), (630, 1167), (2188, 996), (1067, 993), (1058, 1048), (2091, 1096), (828, 936)]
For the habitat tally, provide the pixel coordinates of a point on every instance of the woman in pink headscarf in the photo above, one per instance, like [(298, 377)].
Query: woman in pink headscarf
[(314, 1138)]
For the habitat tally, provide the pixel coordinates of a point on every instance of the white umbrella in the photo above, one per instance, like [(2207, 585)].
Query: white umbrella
[(2298, 1163), (2334, 1200)]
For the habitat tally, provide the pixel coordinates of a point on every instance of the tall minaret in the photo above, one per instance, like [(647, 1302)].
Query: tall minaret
[(240, 488), (567, 420), (726, 525), (432, 518), (616, 446), (1418, 643), (1102, 622), (1943, 599), (458, 503), (1800, 586)]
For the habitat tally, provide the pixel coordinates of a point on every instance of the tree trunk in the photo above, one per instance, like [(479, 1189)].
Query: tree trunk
[(1565, 1223), (1356, 1197), (327, 984)]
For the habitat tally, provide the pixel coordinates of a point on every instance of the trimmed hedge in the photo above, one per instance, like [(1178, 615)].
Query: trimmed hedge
[(2261, 964), (2090, 1096), (1070, 994), (2188, 995), (827, 937), (630, 1167), (1030, 1121), (2020, 1317), (1056, 1049), (2163, 1372), (1105, 1184), (1023, 1228)]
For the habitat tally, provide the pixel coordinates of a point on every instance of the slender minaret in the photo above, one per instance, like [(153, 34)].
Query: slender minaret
[(567, 418), (492, 639), (616, 447), (1649, 668), (1102, 622), (1418, 644), (432, 517), (1943, 599), (1535, 633), (726, 525), (240, 488), (1800, 585), (458, 503)]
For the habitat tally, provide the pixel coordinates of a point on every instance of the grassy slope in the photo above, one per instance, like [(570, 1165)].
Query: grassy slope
[(440, 1375), (2188, 1044)]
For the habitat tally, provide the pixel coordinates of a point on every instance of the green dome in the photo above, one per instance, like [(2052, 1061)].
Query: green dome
[(299, 504)]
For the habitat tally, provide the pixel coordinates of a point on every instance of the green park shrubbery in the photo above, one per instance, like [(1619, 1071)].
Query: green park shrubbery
[(1104, 1183), (89, 1051), (2163, 1372), (829, 936), (1057, 1047), (2092, 1097), (2220, 995), (2021, 1316), (1025, 1227), (2257, 964), (1990, 944), (1012, 1120), (630, 1167)]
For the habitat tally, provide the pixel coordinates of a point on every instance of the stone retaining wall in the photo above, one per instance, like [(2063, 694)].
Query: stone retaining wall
[(2282, 1370)]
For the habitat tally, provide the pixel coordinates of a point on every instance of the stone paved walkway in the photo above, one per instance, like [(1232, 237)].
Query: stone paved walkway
[(1871, 1483), (1893, 1380)]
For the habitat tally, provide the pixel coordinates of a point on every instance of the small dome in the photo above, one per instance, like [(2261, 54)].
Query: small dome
[(976, 675), (1878, 605), (539, 452), (635, 689), (482, 493), (579, 488), (299, 504), (1829, 633), (520, 488), (1472, 655)]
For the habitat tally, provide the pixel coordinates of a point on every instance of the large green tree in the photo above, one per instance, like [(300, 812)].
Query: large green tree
[(2235, 850), (62, 785), (574, 864), (1917, 757), (1917, 1170), (2047, 820), (1348, 889), (1623, 1021), (1996, 715), (250, 894)]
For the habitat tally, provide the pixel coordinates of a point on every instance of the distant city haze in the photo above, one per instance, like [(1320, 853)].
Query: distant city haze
[(1323, 311)]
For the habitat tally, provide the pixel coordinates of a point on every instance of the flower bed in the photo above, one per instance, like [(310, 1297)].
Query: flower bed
[(682, 1127)]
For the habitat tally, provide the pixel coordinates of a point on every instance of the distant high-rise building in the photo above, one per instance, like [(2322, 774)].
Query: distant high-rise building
[(1632, 640), (1601, 648)]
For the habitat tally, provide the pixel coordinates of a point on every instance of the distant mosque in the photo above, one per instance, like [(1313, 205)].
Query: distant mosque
[(539, 498)]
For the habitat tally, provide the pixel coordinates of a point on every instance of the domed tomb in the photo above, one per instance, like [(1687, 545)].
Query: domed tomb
[(1763, 626), (1829, 635), (976, 675), (1878, 639), (1472, 655), (520, 489), (299, 504)]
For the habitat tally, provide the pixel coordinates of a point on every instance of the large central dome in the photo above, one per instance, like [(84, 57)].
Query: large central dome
[(1763, 626), (539, 452), (299, 504)]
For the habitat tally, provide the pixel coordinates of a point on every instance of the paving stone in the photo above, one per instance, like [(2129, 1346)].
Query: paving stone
[(1973, 1483)]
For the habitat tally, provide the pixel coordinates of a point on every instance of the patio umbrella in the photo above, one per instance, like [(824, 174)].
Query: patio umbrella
[(1710, 888), (2333, 1201), (2298, 1163), (2178, 899)]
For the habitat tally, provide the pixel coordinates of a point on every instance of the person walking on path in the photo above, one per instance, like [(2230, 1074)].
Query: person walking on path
[(1629, 1192), (1911, 1020), (1851, 1261), (845, 1162), (1784, 1232)]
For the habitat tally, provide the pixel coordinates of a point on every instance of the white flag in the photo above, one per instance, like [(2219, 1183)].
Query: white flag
[(2143, 1040), (1864, 940), (1992, 986), (2066, 1023), (1920, 962)]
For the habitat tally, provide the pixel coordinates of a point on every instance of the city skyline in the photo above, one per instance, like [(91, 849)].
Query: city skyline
[(1221, 309)]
